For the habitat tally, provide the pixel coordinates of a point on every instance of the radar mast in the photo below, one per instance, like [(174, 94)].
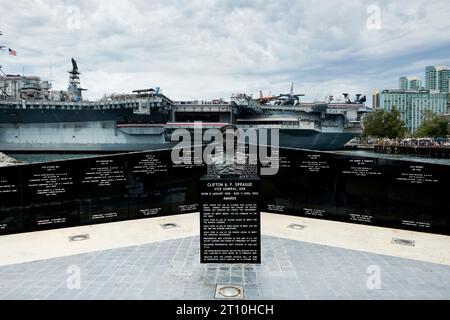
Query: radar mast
[(74, 89)]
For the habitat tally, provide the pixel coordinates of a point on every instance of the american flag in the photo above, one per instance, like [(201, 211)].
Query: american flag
[(12, 52)]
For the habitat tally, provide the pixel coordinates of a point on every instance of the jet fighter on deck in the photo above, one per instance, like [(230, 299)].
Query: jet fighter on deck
[(265, 99), (287, 99)]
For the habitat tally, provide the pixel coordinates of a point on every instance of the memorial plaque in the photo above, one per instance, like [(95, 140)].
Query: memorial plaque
[(416, 196), (304, 185), (158, 187), (49, 196), (104, 186), (149, 185), (185, 180), (361, 188), (11, 220), (315, 163), (230, 226), (360, 167)]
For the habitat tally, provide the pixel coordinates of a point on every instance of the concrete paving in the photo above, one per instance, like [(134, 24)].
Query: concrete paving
[(142, 260), (27, 247), (170, 269)]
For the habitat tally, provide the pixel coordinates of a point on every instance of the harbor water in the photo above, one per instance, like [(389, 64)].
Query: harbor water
[(27, 158)]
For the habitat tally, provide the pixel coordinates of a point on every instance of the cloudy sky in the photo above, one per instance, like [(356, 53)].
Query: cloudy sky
[(201, 49)]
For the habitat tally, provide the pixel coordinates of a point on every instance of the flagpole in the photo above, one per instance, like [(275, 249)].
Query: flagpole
[(1, 71), (2, 90)]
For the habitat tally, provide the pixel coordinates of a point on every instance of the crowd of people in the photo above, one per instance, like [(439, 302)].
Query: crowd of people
[(406, 142)]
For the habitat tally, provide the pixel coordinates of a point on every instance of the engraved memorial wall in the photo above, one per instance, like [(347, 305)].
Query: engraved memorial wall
[(324, 185), (374, 191), (96, 190)]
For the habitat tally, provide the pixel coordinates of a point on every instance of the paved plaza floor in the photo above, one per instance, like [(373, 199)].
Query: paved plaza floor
[(170, 269)]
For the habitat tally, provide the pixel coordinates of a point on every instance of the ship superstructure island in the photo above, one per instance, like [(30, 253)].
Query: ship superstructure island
[(33, 117)]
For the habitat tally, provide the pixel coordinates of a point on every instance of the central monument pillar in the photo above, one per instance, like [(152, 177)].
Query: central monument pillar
[(230, 219)]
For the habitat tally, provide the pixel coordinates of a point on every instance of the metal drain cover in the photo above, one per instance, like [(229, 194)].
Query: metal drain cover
[(79, 237), (169, 226), (229, 291), (296, 226), (404, 242)]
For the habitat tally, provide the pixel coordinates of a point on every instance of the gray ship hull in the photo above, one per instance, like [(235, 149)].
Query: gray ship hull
[(310, 139), (90, 136), (105, 136)]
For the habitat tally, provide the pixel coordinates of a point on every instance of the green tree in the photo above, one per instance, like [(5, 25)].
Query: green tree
[(384, 124), (373, 123), (433, 125)]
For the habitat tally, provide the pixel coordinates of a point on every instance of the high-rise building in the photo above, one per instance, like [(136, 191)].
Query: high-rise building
[(409, 83), (414, 83), (375, 99), (411, 104), (437, 78), (430, 78), (403, 83)]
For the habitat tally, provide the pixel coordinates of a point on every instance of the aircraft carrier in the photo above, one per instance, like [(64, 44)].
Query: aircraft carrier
[(35, 118)]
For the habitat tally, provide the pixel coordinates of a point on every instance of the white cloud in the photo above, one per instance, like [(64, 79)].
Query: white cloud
[(206, 49)]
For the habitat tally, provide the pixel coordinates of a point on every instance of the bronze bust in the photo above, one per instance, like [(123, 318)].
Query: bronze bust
[(225, 163)]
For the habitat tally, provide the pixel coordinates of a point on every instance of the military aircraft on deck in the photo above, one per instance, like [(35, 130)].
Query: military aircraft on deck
[(290, 98)]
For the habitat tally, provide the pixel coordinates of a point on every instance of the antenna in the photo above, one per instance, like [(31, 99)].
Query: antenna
[(1, 48)]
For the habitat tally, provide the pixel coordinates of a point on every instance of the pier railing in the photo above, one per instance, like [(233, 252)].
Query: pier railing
[(440, 152)]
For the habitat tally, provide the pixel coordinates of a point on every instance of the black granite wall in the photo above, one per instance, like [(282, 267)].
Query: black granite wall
[(380, 192), (96, 190), (323, 185)]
